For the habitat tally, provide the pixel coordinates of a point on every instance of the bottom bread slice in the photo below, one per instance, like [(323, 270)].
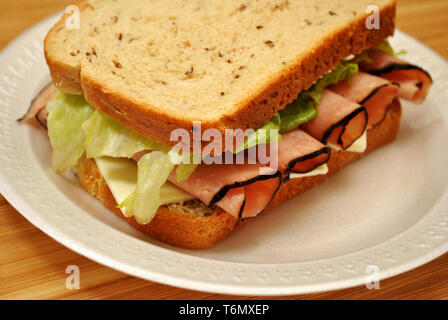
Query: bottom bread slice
[(195, 226)]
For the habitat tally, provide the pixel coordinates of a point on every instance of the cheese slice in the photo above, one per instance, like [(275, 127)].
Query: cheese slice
[(359, 146), (321, 170), (120, 175)]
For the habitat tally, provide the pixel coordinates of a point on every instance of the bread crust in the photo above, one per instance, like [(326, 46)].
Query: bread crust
[(253, 112), (200, 232), (65, 76)]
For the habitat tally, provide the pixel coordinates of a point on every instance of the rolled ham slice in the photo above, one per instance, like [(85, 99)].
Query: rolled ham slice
[(374, 93), (298, 152), (239, 189), (37, 108), (339, 121), (414, 82)]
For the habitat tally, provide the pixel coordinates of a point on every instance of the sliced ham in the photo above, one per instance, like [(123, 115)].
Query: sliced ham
[(414, 82), (374, 93), (41, 117), (37, 108), (239, 189), (339, 121), (298, 152)]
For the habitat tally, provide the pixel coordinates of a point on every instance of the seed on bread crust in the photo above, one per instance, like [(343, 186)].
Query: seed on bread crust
[(270, 43)]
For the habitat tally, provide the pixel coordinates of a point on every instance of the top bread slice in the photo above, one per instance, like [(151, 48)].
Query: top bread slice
[(159, 65)]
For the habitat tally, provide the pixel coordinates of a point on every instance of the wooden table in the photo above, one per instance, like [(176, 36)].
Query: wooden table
[(32, 265)]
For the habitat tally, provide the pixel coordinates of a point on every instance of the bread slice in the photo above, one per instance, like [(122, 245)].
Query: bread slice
[(193, 225), (158, 65)]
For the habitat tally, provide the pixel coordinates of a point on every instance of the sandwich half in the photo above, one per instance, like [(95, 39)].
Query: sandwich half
[(162, 108)]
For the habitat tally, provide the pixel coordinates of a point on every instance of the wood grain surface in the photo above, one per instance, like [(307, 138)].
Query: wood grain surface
[(32, 265)]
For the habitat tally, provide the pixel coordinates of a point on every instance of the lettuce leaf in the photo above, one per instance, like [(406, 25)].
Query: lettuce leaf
[(67, 113), (305, 107), (341, 72), (297, 113), (386, 47), (107, 137), (186, 163), (153, 171), (263, 134)]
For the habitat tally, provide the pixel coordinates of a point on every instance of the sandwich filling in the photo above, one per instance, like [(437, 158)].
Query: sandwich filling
[(238, 189), (335, 113), (374, 93), (413, 81)]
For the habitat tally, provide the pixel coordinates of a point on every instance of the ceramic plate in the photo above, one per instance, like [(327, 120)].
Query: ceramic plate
[(389, 210)]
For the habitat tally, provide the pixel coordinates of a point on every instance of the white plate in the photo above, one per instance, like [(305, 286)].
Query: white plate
[(389, 209)]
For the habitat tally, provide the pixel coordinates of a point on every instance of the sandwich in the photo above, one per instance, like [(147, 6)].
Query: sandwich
[(189, 119)]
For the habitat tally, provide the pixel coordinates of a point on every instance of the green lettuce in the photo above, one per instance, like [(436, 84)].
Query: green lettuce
[(297, 113), (386, 47), (186, 163), (67, 113), (341, 72), (153, 171), (263, 134), (305, 107), (107, 137)]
